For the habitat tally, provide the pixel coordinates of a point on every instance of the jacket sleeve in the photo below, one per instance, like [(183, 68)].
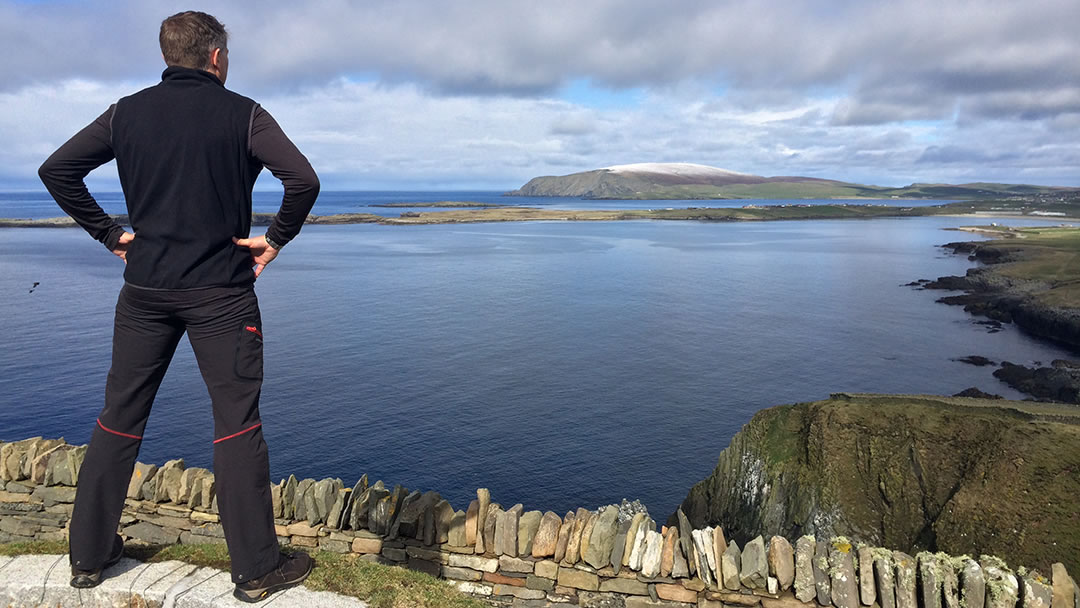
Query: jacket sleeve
[(276, 152), (63, 174)]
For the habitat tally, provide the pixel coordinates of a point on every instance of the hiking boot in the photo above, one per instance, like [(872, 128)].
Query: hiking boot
[(84, 579), (291, 571)]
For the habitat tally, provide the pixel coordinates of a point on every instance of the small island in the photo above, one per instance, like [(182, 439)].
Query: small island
[(675, 181)]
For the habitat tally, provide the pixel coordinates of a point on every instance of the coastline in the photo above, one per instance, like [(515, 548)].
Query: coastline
[(465, 212), (1026, 279), (526, 214)]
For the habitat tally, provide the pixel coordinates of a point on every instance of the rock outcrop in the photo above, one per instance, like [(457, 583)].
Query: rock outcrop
[(959, 475), (999, 296)]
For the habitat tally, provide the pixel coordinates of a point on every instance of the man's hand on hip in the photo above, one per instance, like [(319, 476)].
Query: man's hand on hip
[(122, 246), (261, 253)]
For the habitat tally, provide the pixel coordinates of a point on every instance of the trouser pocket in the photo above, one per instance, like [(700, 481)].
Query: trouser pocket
[(249, 351)]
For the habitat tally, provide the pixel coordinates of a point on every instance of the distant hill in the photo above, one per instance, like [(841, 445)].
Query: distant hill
[(691, 181)]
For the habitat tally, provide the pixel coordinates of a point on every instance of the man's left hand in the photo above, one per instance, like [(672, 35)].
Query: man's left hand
[(122, 245), (261, 253)]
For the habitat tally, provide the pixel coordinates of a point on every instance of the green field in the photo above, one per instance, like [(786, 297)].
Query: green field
[(1048, 255)]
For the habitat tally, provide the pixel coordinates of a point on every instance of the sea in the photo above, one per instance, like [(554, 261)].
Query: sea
[(559, 364)]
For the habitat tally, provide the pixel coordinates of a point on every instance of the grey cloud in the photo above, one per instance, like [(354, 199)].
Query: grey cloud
[(572, 125), (414, 88), (529, 48), (862, 112), (1028, 105), (951, 154)]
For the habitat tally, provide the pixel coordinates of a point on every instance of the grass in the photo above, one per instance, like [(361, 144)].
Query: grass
[(380, 586), (37, 547), (1049, 255)]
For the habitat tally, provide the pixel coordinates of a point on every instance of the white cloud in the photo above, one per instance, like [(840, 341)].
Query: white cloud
[(434, 94)]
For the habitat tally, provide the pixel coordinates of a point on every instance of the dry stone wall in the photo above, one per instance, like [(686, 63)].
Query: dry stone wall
[(614, 556)]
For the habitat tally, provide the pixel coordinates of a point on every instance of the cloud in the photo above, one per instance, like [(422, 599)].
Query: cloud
[(489, 93), (958, 154), (527, 48)]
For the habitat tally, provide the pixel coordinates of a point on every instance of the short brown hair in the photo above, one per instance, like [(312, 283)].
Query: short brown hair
[(188, 38)]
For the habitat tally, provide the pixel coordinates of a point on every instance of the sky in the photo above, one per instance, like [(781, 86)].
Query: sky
[(486, 94)]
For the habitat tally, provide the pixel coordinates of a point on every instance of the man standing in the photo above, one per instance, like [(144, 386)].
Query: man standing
[(187, 151)]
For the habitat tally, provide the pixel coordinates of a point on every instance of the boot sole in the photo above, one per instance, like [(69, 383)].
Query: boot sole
[(258, 595)]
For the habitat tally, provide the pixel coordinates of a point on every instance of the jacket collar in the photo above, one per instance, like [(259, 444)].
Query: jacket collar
[(178, 74)]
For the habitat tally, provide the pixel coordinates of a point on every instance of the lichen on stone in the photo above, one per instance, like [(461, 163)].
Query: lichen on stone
[(881, 553)]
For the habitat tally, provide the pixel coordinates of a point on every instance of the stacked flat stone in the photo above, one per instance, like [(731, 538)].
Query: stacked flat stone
[(603, 557)]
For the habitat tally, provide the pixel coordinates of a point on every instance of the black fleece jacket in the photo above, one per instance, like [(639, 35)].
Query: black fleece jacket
[(188, 152)]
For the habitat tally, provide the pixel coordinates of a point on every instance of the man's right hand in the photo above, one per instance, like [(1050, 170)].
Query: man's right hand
[(122, 246)]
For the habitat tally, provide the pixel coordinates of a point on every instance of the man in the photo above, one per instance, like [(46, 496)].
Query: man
[(187, 151)]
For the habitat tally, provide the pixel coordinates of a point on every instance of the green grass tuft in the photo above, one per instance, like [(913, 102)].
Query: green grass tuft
[(34, 547)]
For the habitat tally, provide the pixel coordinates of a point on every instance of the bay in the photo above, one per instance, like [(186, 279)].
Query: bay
[(560, 364)]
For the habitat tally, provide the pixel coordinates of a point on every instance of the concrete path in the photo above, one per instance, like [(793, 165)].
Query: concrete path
[(30, 581)]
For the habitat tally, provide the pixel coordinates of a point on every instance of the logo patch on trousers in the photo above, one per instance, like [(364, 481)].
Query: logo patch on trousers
[(254, 330)]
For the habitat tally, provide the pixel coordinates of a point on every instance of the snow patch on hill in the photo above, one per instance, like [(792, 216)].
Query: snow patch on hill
[(678, 169)]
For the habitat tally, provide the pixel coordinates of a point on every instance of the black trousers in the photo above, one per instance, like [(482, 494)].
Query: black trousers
[(225, 331)]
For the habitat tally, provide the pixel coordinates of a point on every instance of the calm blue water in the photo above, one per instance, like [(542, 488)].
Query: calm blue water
[(40, 205), (559, 364)]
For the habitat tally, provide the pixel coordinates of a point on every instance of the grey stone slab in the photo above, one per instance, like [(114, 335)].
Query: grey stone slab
[(706, 554), (202, 588), (754, 573), (152, 582), (24, 579), (605, 527), (731, 566), (972, 585), (805, 589), (950, 583), (929, 580), (905, 580), (886, 585), (844, 587), (528, 525), (686, 540), (38, 580), (650, 561), (1002, 586), (1036, 594), (119, 587), (822, 580)]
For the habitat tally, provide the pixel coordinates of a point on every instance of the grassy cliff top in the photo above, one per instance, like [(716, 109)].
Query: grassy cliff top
[(1047, 255), (908, 472)]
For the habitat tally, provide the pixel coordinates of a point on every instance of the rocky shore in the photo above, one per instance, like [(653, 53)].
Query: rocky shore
[(1009, 288)]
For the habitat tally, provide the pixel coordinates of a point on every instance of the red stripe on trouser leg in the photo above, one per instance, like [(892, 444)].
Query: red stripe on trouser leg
[(250, 428), (108, 430)]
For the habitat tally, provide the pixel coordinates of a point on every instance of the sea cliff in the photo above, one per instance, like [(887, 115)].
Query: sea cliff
[(914, 473)]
